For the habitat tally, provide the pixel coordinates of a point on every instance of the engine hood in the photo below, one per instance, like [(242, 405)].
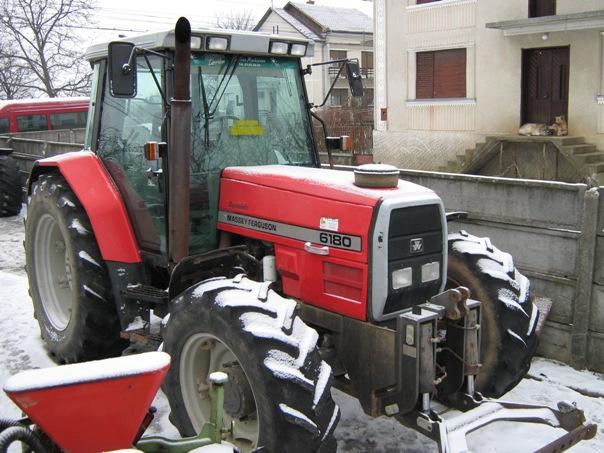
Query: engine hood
[(327, 184)]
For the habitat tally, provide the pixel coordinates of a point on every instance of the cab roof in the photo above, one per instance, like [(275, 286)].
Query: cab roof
[(240, 42)]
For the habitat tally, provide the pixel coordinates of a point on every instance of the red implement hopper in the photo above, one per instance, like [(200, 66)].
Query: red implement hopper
[(94, 406)]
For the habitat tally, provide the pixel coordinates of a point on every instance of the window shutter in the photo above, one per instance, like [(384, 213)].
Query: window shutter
[(424, 86), (450, 73)]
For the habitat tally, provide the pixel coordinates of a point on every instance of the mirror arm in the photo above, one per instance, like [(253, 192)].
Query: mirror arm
[(320, 120), (157, 84), (333, 84)]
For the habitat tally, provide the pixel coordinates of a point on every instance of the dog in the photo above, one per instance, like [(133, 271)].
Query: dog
[(558, 128)]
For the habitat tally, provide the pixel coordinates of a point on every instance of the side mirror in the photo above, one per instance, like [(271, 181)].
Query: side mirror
[(355, 80), (122, 69)]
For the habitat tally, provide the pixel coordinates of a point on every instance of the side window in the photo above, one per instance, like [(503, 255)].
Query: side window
[(27, 123), (96, 76), (126, 125), (4, 126), (70, 120)]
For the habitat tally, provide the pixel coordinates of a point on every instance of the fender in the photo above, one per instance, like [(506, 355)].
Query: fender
[(101, 200)]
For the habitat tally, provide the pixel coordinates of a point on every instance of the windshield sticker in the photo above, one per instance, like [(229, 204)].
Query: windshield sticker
[(246, 127)]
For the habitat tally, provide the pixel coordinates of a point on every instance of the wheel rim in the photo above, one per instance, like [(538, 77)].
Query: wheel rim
[(53, 272), (203, 354)]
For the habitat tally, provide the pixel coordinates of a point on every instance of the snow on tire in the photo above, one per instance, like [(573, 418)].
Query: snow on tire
[(223, 324), (68, 280), (509, 317), (10, 187)]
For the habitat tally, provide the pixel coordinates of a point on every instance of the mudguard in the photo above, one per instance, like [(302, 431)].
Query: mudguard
[(101, 200)]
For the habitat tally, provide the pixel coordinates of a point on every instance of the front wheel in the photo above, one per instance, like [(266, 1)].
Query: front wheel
[(278, 395), (509, 317)]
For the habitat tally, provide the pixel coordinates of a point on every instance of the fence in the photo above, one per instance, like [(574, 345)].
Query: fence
[(31, 146)]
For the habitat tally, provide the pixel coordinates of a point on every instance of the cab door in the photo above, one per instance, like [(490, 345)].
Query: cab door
[(126, 125)]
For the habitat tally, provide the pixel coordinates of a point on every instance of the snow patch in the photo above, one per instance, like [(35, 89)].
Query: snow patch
[(86, 372), (516, 336), (86, 257), (77, 225), (534, 317), (94, 293), (297, 417), (322, 380), (287, 372), (334, 418), (509, 298)]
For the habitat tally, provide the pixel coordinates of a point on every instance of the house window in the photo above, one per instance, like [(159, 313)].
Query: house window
[(538, 8), (419, 2), (441, 74), (337, 54), (367, 64), (4, 125), (367, 100), (339, 96)]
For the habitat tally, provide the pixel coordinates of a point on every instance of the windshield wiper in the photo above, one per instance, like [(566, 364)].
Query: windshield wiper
[(208, 113)]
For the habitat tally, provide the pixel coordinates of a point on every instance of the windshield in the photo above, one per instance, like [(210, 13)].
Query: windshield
[(248, 111)]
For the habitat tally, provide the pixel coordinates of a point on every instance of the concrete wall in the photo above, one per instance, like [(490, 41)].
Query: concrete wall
[(425, 134)]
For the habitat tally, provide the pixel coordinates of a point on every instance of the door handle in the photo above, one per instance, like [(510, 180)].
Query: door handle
[(316, 250)]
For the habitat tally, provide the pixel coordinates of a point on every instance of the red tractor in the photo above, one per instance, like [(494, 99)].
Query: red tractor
[(200, 199)]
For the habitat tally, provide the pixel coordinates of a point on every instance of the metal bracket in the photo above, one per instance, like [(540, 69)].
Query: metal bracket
[(450, 434)]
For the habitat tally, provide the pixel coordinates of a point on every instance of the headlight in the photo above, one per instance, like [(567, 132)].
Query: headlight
[(402, 278), (279, 48), (299, 50), (430, 271), (217, 43)]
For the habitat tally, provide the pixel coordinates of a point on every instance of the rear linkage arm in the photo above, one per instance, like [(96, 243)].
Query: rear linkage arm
[(417, 344)]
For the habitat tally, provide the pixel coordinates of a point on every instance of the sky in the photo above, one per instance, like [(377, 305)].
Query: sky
[(112, 18)]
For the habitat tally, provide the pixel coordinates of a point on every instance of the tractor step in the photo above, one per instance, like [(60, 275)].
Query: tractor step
[(145, 293)]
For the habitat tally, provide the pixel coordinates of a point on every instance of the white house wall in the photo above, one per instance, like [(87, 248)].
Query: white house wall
[(425, 134)]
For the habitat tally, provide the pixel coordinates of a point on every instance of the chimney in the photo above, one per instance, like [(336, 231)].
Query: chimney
[(310, 2)]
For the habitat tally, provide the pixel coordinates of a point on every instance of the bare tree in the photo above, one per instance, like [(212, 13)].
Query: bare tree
[(15, 82), (46, 43), (236, 20)]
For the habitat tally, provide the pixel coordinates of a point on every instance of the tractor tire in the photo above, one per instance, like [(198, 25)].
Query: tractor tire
[(10, 187), (279, 396), (68, 280), (509, 317)]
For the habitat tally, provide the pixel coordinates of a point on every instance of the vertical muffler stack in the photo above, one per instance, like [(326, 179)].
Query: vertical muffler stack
[(180, 146)]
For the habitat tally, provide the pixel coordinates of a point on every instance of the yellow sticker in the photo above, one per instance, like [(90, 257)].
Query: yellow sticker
[(246, 127)]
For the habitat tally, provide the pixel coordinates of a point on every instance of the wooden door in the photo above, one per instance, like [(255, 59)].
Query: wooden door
[(544, 84)]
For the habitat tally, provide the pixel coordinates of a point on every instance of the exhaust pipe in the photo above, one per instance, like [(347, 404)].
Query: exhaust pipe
[(180, 146)]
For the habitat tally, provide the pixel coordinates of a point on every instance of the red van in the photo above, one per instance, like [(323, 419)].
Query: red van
[(26, 115)]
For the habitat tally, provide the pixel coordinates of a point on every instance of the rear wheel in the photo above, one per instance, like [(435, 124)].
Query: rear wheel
[(278, 395), (509, 318), (68, 280), (10, 187)]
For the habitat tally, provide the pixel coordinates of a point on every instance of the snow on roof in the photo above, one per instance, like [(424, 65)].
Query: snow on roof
[(87, 372), (303, 29), (336, 19)]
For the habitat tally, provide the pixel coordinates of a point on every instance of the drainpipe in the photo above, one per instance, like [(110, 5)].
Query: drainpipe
[(180, 146)]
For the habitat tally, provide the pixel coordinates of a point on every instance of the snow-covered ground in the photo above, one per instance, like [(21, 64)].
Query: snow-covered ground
[(549, 381)]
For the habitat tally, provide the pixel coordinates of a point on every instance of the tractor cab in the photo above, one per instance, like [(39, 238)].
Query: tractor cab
[(248, 107)]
